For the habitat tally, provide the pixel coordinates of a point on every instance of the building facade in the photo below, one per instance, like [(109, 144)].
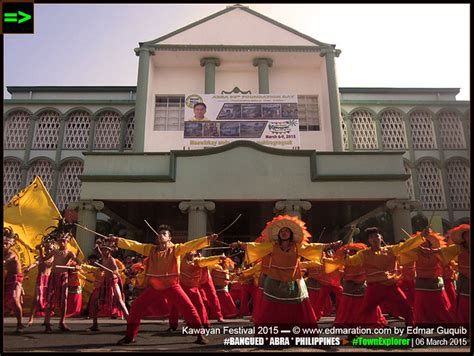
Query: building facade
[(119, 151)]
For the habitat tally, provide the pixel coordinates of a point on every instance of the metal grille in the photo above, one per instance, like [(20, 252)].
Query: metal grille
[(169, 113), (393, 130), (459, 184), (69, 188), (16, 129), (308, 112), (364, 132), (11, 179), (409, 182), (47, 131), (107, 131), (45, 170), (422, 130), (451, 132), (78, 126), (431, 186), (129, 132), (345, 140)]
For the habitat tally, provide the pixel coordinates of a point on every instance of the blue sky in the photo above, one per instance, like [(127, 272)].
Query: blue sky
[(384, 45)]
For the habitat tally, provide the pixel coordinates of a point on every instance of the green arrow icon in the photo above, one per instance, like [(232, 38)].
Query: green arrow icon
[(12, 17)]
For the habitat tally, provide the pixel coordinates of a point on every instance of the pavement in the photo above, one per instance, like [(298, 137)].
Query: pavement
[(154, 337)]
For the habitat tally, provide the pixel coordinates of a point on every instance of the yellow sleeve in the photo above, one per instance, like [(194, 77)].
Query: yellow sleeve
[(256, 250), (206, 261), (406, 246), (333, 264), (88, 268), (119, 264), (142, 249), (313, 252), (355, 260), (407, 257), (311, 264), (449, 253), (197, 244), (252, 270)]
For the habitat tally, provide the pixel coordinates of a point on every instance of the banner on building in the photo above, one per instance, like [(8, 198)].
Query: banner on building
[(268, 119)]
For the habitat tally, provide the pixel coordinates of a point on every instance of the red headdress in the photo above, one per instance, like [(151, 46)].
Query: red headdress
[(436, 239), (456, 233), (341, 251), (272, 228)]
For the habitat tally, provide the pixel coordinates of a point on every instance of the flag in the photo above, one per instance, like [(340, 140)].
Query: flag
[(32, 214)]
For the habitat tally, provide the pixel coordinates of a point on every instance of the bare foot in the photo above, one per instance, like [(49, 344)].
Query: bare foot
[(64, 327)]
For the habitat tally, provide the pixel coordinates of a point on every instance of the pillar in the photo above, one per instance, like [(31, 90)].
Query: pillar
[(329, 54), (263, 82), (142, 97), (87, 210), (197, 216), (401, 217), (292, 207), (210, 64)]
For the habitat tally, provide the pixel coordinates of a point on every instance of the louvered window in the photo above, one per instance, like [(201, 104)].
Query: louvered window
[(15, 134), (451, 132), (45, 170), (47, 131), (393, 130), (107, 131)]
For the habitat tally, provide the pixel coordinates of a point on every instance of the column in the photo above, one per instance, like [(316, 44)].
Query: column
[(350, 140), (87, 210), (329, 54), (292, 207), (210, 64), (401, 217), (90, 145), (378, 132), (197, 216), (123, 132), (263, 83), (142, 97)]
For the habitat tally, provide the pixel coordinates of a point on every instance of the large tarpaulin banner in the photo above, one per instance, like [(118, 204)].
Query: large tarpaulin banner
[(268, 119)]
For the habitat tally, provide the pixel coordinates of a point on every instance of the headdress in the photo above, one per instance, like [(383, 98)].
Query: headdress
[(456, 233), (9, 235), (341, 251), (436, 239), (297, 226)]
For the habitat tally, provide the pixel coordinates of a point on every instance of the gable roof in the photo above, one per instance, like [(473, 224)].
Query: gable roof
[(232, 8)]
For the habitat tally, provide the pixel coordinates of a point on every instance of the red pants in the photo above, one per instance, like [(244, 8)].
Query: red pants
[(450, 292), (324, 298), (392, 296), (408, 287), (213, 305), (432, 308), (42, 291), (313, 297), (175, 296), (246, 292), (349, 314), (229, 310), (74, 304), (196, 299), (462, 310), (57, 289)]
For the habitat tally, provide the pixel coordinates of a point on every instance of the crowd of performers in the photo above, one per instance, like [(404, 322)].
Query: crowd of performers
[(283, 280)]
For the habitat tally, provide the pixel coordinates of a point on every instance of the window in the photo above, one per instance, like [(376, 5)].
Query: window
[(345, 139), (458, 183), (169, 113), (392, 127), (431, 186), (308, 112), (451, 132), (47, 131), (11, 179), (76, 135), (69, 188), (107, 131), (16, 129), (44, 169), (422, 130), (129, 131), (364, 132)]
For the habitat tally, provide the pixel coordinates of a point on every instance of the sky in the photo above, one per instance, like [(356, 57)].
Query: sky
[(383, 45)]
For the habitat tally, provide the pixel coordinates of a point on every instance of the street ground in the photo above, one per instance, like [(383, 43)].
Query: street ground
[(154, 337)]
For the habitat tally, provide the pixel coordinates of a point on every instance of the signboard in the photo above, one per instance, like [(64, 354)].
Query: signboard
[(268, 119)]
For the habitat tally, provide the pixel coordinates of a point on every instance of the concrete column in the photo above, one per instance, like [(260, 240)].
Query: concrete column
[(400, 211), (142, 97), (210, 64), (378, 132), (87, 210), (90, 145), (334, 103), (197, 216), (292, 207), (263, 82)]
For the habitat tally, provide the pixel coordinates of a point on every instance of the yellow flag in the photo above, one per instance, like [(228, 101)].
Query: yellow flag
[(32, 214)]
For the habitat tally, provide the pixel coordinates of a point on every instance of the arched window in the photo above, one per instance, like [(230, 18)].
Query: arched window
[(451, 130), (76, 135), (459, 184), (47, 131), (11, 179), (69, 188), (431, 186), (129, 131), (345, 141), (422, 130), (364, 132), (107, 131), (15, 133), (44, 169), (409, 182), (393, 130)]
